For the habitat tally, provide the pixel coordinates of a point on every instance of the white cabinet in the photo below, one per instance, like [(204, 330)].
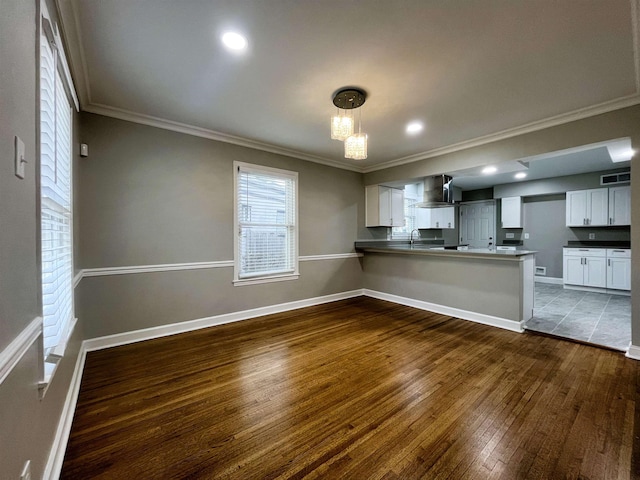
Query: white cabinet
[(597, 267), (620, 205), (588, 208), (443, 217), (511, 215), (384, 206), (585, 267), (619, 269)]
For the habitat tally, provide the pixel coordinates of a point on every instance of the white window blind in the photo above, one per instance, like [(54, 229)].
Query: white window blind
[(266, 222), (55, 199)]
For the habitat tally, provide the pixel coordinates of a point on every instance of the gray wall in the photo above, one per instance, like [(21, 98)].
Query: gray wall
[(545, 221), (491, 287), (27, 424), (151, 196)]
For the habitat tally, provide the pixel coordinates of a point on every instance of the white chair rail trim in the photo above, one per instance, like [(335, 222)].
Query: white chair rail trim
[(13, 353), (167, 267)]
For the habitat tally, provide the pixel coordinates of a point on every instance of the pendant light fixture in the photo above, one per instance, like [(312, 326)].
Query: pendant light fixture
[(342, 125)]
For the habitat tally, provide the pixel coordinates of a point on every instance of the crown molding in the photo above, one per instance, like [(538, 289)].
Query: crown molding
[(157, 122), (513, 132), (70, 24)]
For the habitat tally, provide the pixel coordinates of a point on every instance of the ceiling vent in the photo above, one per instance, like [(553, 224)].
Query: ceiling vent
[(615, 178)]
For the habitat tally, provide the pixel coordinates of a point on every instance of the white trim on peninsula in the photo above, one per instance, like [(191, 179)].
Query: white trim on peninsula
[(490, 320), (13, 353), (633, 352)]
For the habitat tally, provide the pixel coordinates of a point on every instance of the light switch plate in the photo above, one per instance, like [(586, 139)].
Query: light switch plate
[(526, 236), (19, 158)]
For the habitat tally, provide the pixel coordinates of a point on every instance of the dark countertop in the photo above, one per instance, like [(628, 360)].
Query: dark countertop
[(597, 244), (422, 249)]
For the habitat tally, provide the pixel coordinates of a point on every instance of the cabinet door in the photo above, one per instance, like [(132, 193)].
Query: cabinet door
[(397, 208), (619, 273), (595, 272), (576, 208), (620, 206), (598, 203), (511, 215), (573, 271), (448, 217), (384, 194)]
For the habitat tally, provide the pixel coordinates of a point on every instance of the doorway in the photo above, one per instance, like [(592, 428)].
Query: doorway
[(478, 224)]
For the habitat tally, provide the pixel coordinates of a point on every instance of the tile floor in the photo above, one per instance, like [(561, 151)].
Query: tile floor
[(597, 318)]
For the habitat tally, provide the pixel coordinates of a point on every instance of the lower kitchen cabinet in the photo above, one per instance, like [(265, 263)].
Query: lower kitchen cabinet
[(597, 267), (585, 267), (619, 269)]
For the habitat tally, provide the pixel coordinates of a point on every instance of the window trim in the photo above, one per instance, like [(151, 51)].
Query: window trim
[(263, 278), (49, 30)]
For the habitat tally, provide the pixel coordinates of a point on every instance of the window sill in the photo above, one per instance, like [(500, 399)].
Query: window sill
[(259, 280), (53, 360)]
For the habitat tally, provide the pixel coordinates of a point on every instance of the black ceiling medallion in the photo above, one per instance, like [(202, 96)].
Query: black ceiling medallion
[(349, 98)]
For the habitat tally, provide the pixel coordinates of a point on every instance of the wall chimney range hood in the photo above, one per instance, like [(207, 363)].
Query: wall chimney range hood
[(438, 192)]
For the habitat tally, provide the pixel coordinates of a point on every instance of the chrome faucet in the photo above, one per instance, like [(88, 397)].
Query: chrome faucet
[(411, 236)]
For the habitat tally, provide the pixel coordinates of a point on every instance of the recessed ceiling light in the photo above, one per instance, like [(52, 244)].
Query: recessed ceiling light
[(489, 170), (414, 127), (234, 41), (520, 175)]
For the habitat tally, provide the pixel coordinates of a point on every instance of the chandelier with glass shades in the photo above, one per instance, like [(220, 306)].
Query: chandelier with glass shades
[(347, 100)]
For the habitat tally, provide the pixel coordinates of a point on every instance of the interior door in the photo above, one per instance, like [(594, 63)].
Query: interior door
[(478, 224)]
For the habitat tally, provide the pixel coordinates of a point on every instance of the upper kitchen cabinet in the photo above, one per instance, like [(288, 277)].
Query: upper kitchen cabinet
[(511, 215), (441, 217), (588, 208), (620, 205), (384, 206)]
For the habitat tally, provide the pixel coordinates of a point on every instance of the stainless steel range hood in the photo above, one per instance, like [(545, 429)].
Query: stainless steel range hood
[(438, 192)]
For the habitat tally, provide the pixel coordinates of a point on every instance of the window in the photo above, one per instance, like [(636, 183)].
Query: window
[(56, 215), (266, 224), (412, 195)]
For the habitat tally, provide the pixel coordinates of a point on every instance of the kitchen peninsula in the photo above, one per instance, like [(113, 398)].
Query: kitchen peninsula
[(486, 286)]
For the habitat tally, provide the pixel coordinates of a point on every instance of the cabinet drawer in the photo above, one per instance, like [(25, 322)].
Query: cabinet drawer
[(585, 252), (618, 253)]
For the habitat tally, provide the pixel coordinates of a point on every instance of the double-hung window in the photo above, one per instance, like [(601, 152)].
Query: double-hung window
[(56, 213), (266, 224)]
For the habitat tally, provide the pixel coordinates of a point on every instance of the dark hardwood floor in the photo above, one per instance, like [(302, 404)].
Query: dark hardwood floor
[(355, 389)]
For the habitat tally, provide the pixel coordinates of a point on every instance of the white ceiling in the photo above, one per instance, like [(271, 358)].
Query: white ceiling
[(590, 158), (472, 71)]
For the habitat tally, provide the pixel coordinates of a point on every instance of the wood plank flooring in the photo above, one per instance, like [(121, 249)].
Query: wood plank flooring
[(355, 389)]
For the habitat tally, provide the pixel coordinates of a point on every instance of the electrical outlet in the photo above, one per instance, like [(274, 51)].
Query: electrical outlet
[(26, 471), (592, 236), (526, 236)]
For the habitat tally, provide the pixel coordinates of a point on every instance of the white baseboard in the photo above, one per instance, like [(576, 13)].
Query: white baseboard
[(499, 322), (633, 352), (56, 455), (552, 280), (164, 330)]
